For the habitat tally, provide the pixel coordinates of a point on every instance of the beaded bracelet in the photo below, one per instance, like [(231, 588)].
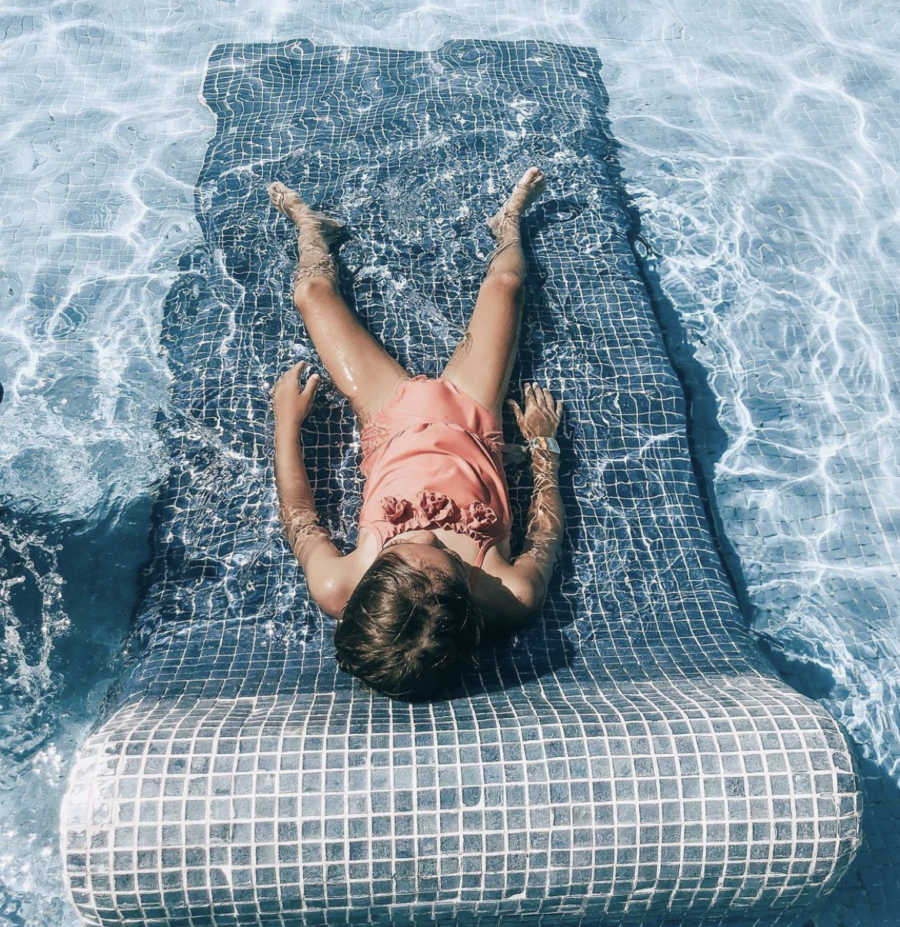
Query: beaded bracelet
[(544, 443)]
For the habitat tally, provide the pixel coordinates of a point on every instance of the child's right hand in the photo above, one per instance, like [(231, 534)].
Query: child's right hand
[(542, 412), (291, 400)]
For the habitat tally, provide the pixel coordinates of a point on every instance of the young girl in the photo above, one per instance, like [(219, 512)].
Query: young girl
[(432, 572)]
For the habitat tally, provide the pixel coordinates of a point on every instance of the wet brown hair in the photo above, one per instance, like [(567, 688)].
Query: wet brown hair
[(408, 632)]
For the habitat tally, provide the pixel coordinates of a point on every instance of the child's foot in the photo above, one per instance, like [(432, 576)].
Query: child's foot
[(530, 184), (314, 231), (288, 201)]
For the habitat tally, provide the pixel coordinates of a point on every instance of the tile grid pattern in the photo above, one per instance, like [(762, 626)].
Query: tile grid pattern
[(632, 757)]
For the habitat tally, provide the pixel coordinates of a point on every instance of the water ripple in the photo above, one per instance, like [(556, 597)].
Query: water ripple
[(760, 141)]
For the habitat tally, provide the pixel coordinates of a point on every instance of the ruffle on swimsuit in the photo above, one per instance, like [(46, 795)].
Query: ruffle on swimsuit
[(432, 509)]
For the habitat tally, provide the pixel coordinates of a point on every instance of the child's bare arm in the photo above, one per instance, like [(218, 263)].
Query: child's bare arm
[(543, 538), (322, 563), (534, 566)]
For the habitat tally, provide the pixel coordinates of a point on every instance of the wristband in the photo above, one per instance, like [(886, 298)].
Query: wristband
[(544, 443)]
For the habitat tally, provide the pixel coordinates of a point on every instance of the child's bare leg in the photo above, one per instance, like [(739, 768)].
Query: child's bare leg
[(482, 363), (359, 366)]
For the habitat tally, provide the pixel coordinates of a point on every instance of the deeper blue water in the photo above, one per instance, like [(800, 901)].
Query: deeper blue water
[(760, 142)]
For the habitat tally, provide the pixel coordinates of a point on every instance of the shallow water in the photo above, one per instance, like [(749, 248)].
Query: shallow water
[(760, 144)]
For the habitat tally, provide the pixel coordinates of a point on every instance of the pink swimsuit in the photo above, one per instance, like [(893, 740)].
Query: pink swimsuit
[(432, 457)]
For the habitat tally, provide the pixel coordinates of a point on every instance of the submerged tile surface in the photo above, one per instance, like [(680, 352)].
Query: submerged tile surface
[(631, 757)]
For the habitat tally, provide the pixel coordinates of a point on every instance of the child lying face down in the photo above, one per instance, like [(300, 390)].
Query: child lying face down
[(432, 573)]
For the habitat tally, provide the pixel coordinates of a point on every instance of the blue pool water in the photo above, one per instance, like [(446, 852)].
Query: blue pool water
[(760, 148)]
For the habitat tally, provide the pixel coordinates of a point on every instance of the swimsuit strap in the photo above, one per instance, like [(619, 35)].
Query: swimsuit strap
[(479, 559), (382, 537)]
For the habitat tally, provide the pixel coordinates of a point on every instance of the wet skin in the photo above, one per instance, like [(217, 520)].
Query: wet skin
[(425, 549)]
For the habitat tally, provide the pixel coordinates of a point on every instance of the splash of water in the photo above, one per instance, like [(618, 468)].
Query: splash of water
[(28, 570), (32, 618)]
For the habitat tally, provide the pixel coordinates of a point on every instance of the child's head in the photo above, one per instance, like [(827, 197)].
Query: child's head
[(409, 627)]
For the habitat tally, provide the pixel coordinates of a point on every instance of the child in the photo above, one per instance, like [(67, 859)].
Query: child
[(432, 572)]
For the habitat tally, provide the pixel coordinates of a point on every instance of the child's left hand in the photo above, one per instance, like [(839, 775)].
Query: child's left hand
[(289, 402)]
